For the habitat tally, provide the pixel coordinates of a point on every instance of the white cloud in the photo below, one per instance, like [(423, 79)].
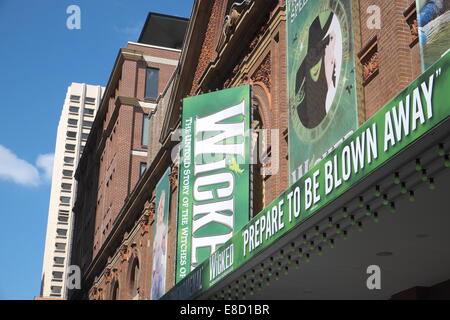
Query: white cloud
[(45, 162), (19, 171)]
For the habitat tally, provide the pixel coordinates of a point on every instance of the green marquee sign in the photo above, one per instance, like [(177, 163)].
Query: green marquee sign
[(406, 118), (214, 174)]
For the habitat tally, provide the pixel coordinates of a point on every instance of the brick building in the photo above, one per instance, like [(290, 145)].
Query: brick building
[(228, 44)]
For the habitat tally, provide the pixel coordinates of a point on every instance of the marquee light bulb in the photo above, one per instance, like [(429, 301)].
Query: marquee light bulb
[(332, 243), (317, 231), (403, 190), (385, 200), (432, 184), (345, 235), (392, 207), (305, 239), (361, 202), (418, 165), (377, 191), (320, 252), (344, 213), (424, 176), (360, 226), (375, 217), (447, 161), (441, 151), (397, 178)]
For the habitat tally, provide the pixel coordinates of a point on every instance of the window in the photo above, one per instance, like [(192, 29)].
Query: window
[(143, 168), (69, 160), (84, 136), (61, 232), (135, 276), (65, 200), (145, 130), (70, 147), (87, 124), (57, 275), (90, 100), (71, 134), (151, 83), (63, 219), (74, 110), (75, 98), (67, 173), (60, 246), (73, 122), (59, 260), (56, 290), (89, 112), (66, 186)]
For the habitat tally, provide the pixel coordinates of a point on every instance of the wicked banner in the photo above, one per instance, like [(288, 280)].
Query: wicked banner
[(162, 202), (321, 83), (214, 174), (434, 29), (401, 123)]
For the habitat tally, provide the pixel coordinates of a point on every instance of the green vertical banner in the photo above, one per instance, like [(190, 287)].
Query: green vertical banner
[(214, 174), (321, 80), (434, 29), (159, 267)]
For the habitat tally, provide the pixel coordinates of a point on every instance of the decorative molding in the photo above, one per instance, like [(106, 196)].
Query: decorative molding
[(173, 177), (410, 15), (369, 58), (125, 253), (148, 217), (264, 72), (231, 21), (96, 294), (109, 276)]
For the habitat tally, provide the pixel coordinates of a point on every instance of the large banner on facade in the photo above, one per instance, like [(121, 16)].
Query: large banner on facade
[(214, 175), (162, 210), (321, 83), (413, 113), (434, 29)]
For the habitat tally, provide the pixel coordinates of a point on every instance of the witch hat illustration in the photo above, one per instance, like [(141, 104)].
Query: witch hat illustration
[(311, 84)]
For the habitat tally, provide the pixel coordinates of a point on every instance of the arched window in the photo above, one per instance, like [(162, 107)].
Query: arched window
[(257, 178), (134, 279), (115, 291), (261, 148)]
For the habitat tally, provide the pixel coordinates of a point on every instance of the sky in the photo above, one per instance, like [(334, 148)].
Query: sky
[(39, 58)]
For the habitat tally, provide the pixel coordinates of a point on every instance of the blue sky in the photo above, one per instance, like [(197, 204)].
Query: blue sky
[(39, 58)]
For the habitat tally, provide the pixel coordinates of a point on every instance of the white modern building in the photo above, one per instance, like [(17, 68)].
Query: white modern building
[(79, 110)]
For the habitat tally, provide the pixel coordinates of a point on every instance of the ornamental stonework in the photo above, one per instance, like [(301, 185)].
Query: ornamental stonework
[(263, 73)]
